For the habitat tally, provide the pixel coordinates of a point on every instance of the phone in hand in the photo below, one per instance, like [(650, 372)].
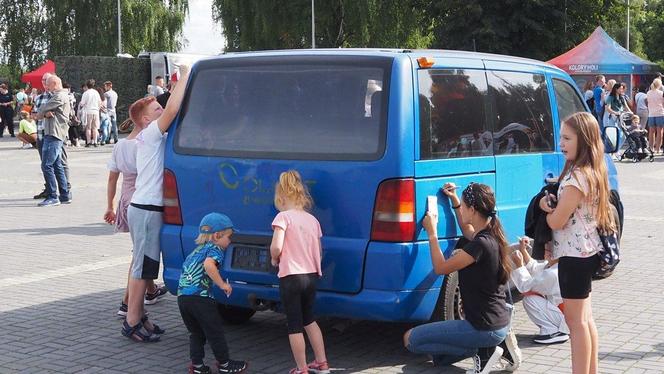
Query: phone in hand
[(551, 202)]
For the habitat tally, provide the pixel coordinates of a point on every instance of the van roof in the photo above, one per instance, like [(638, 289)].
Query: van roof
[(412, 53)]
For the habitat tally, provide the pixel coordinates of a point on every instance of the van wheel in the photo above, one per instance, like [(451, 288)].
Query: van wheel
[(448, 305), (616, 219), (235, 315)]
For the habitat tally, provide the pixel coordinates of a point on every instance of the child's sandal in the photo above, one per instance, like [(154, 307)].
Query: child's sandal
[(136, 334), (155, 329)]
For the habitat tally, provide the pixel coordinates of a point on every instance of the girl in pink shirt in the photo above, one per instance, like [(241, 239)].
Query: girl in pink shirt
[(296, 250)]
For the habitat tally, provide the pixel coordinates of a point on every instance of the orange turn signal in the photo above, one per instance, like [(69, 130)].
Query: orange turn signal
[(425, 62)]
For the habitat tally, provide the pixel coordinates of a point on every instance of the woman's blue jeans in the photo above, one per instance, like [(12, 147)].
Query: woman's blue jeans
[(452, 341), (104, 130)]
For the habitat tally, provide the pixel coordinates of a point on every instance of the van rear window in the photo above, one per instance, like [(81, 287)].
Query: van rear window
[(294, 107)]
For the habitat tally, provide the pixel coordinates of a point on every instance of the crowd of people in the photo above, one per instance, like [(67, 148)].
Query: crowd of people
[(609, 100)]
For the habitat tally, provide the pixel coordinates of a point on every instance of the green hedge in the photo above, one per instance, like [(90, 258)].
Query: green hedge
[(130, 76)]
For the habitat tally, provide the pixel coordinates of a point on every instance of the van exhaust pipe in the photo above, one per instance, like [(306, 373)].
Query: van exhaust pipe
[(260, 305)]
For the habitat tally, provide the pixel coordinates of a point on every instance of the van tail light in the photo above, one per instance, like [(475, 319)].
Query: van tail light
[(394, 212), (172, 213)]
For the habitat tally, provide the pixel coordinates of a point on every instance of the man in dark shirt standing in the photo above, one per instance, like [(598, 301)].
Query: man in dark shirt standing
[(163, 98), (6, 111)]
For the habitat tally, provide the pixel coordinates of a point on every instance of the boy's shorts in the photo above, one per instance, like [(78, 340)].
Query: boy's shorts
[(144, 227)]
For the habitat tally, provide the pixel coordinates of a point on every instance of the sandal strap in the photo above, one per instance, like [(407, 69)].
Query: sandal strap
[(135, 333)]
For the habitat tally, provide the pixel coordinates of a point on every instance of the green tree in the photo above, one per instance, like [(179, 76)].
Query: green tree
[(40, 29), (652, 28), (536, 29), (89, 27), (278, 24)]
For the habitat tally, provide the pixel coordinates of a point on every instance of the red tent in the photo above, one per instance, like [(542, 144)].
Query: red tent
[(34, 77)]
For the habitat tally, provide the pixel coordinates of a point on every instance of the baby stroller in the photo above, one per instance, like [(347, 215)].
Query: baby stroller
[(637, 142)]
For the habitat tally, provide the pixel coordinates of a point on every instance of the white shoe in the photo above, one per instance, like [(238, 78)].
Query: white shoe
[(484, 367), (511, 356)]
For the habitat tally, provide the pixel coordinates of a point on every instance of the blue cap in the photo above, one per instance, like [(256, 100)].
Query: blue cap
[(214, 222)]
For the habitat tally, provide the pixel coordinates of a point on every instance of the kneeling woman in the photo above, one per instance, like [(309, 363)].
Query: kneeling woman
[(483, 268)]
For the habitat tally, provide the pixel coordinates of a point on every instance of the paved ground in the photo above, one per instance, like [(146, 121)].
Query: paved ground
[(62, 273)]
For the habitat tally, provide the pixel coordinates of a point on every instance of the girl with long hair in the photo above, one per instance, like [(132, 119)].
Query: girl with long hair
[(581, 208), (296, 250), (484, 268)]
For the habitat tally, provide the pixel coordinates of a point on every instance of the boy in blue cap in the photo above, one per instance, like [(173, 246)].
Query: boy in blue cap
[(197, 306)]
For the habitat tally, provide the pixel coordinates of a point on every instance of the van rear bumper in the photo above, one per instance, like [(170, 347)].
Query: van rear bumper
[(376, 305)]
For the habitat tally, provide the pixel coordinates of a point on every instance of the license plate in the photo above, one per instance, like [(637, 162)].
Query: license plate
[(252, 258)]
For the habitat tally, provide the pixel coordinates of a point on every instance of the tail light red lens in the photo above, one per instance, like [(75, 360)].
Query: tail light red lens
[(394, 212), (172, 213)]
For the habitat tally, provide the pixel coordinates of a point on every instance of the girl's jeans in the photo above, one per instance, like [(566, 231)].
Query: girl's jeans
[(452, 341)]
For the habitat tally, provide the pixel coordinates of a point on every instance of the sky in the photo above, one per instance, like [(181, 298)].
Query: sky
[(202, 33)]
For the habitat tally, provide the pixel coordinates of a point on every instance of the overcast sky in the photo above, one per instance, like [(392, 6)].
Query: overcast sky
[(202, 33)]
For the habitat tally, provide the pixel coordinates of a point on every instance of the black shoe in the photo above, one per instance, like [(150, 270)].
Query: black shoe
[(41, 195), (87, 145), (555, 338), (232, 366), (199, 370), (13, 136), (96, 145)]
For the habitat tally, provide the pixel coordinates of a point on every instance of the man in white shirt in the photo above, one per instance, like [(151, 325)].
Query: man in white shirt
[(89, 106), (111, 98), (538, 283), (144, 214)]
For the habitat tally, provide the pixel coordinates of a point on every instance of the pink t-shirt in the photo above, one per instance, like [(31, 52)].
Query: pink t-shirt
[(301, 252)]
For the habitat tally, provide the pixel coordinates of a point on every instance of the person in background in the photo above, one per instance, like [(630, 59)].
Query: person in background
[(74, 134), (655, 101), (21, 99), (163, 98), (598, 98), (104, 120), (111, 104), (89, 107), (158, 87), (6, 111), (538, 283), (27, 131), (641, 104)]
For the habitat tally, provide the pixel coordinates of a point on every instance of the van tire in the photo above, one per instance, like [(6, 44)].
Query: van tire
[(448, 305), (235, 315)]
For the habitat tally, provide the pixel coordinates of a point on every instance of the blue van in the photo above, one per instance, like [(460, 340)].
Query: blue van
[(373, 133)]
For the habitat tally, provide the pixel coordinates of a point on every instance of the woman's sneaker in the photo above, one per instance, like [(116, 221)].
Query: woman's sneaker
[(153, 298), (319, 367), (199, 370), (555, 338), (483, 362), (122, 310), (511, 352), (231, 366)]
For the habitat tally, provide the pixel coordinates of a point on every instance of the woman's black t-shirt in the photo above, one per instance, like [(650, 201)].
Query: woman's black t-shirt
[(483, 297)]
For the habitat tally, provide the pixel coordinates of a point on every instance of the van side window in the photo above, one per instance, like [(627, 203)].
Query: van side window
[(453, 114), (567, 98), (523, 122)]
